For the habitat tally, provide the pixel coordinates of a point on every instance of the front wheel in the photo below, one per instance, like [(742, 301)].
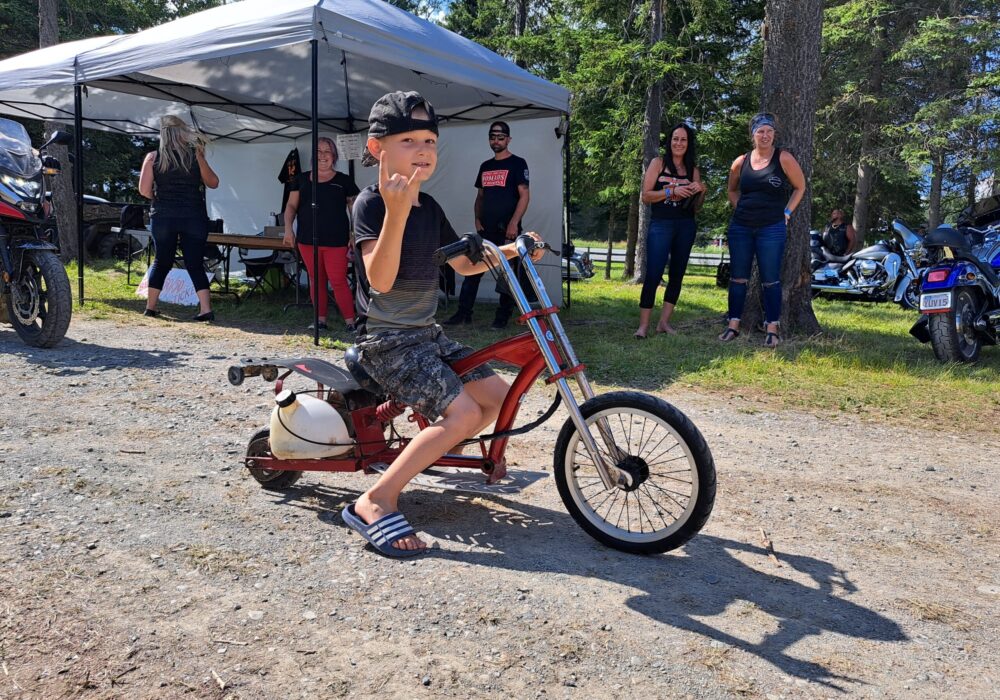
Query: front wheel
[(39, 302), (953, 333), (672, 485)]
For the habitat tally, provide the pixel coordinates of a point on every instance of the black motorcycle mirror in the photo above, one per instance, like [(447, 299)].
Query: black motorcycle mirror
[(60, 138)]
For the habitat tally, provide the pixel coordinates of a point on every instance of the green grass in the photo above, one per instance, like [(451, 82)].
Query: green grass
[(865, 362)]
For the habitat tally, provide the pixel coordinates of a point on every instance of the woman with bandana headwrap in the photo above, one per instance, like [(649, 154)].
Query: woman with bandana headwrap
[(759, 185)]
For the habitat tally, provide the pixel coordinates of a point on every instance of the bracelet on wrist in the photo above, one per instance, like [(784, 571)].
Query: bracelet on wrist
[(788, 212)]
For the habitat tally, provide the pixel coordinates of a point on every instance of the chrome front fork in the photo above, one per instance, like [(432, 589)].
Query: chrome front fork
[(610, 474)]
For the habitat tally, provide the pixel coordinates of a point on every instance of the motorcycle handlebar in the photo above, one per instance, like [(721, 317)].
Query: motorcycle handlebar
[(470, 244)]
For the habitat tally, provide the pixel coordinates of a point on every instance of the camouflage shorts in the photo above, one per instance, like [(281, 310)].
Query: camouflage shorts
[(412, 366)]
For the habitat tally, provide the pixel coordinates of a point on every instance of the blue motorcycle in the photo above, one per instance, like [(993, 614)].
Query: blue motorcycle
[(960, 293)]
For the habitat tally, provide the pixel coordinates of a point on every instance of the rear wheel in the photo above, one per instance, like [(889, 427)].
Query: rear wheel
[(39, 301), (270, 479), (117, 246), (953, 334), (671, 489)]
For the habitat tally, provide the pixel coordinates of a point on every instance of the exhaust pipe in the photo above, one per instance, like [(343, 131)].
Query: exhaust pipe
[(837, 290)]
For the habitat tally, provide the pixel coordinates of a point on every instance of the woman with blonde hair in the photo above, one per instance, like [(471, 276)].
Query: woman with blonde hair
[(175, 177)]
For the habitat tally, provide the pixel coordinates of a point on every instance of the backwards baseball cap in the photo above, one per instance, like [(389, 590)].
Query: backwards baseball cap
[(762, 119), (500, 127), (393, 114)]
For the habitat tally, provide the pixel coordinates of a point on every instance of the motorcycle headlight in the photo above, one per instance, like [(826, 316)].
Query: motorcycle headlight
[(26, 188)]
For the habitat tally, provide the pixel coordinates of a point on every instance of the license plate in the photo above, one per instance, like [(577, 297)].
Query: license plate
[(940, 301)]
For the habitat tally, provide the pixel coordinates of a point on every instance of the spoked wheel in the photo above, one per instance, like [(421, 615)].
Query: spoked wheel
[(270, 479), (671, 488), (911, 297), (39, 302), (953, 333)]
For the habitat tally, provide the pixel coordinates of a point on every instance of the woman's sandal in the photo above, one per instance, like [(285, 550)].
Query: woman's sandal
[(772, 340), (639, 336), (729, 334)]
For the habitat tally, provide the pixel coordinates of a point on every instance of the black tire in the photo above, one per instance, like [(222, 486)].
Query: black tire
[(911, 297), (270, 479), (39, 301), (953, 336), (117, 246), (642, 425)]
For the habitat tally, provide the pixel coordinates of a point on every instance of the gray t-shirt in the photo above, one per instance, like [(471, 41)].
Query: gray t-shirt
[(412, 301)]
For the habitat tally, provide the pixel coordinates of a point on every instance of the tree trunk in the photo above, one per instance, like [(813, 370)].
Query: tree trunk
[(934, 198), (611, 235), (650, 138), (520, 24), (632, 233), (869, 129), (63, 196), (792, 35)]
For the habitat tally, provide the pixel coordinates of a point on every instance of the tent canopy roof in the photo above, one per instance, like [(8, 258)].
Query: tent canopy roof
[(242, 71)]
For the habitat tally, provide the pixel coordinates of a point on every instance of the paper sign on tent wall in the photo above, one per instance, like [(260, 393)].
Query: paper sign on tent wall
[(350, 146), (177, 288)]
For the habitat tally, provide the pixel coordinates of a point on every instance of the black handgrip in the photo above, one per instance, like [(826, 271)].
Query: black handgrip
[(469, 244), (531, 244)]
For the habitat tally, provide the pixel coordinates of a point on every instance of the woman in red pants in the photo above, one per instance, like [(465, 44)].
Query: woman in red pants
[(335, 193)]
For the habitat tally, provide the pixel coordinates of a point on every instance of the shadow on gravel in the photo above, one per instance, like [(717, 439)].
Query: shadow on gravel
[(71, 357), (683, 589)]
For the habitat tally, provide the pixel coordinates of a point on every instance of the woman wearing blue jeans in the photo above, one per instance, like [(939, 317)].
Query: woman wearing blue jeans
[(758, 190), (673, 188)]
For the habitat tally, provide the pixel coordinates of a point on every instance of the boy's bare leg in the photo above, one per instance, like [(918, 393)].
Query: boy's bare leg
[(489, 393), (460, 420)]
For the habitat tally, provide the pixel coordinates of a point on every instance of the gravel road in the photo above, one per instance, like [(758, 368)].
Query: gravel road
[(141, 561)]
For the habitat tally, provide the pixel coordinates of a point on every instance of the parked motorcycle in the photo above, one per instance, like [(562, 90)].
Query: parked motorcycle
[(35, 293), (886, 271), (960, 294)]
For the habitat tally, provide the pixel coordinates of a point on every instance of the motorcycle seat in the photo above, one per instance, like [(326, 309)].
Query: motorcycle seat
[(352, 358), (835, 258)]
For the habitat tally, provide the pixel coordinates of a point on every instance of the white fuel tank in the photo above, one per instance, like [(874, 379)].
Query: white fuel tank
[(305, 427)]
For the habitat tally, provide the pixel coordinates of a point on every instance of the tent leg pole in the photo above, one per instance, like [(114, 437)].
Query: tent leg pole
[(314, 205), (566, 215), (78, 181)]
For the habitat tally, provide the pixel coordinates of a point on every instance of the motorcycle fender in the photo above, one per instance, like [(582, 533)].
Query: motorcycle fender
[(920, 330), (903, 285)]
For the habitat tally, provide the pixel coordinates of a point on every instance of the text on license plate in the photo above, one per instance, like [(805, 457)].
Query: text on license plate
[(935, 302)]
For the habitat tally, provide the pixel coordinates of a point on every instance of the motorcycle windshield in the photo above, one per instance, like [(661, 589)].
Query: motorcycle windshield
[(16, 156)]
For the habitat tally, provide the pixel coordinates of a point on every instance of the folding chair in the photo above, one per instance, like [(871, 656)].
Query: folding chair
[(258, 269)]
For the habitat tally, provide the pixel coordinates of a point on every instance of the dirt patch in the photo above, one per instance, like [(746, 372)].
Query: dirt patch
[(141, 561)]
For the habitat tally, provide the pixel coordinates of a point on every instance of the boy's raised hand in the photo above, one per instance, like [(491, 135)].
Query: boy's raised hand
[(397, 190)]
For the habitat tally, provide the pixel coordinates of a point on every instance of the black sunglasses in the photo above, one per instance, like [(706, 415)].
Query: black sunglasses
[(498, 137)]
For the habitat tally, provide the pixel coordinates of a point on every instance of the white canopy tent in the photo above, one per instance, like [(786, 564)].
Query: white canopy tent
[(263, 72)]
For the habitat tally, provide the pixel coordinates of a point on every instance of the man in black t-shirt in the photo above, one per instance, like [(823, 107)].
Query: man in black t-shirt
[(502, 199)]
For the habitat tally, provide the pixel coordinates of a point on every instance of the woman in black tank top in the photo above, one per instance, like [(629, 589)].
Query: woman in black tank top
[(765, 187), (175, 177), (673, 188)]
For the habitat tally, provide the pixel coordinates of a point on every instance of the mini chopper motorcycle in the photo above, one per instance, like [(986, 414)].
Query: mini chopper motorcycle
[(886, 271), (633, 471), (35, 293)]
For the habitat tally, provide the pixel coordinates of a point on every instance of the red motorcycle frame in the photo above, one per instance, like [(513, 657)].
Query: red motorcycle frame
[(627, 471)]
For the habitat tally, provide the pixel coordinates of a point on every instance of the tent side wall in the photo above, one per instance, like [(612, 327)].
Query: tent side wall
[(249, 189)]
